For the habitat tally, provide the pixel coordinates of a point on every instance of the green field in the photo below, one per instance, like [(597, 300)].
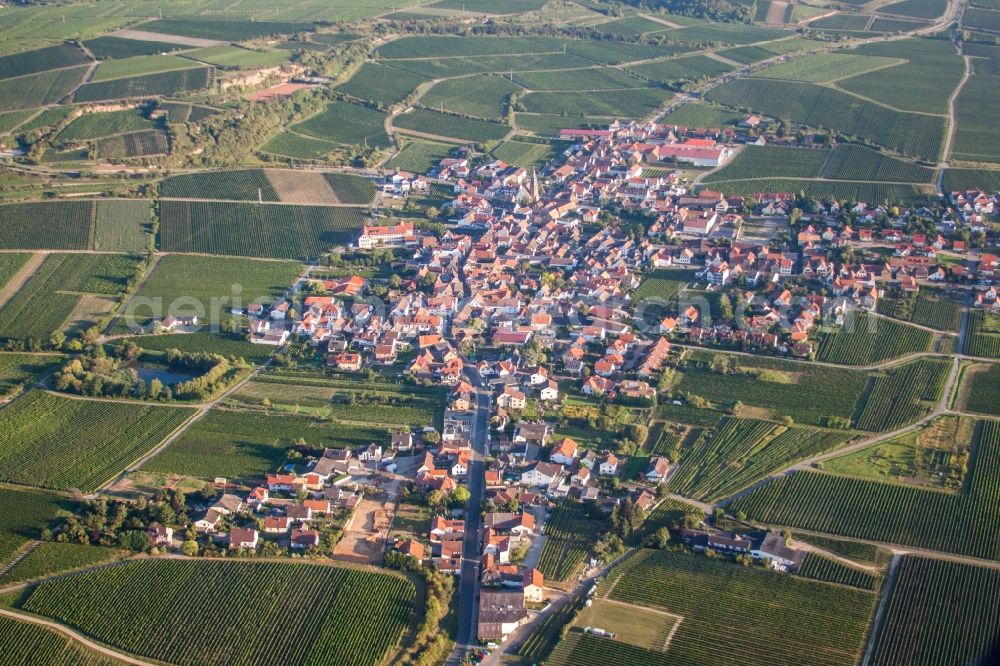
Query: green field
[(176, 610), (64, 443), (381, 84), (604, 78), (117, 47), (481, 96), (939, 613), (46, 225), (48, 558), (289, 144), (234, 57), (679, 70), (450, 126), (242, 185), (143, 143), (36, 90), (866, 339), (817, 106), (273, 231), (695, 114), (917, 8), (853, 162), (983, 385), (348, 124), (726, 607), (772, 161), (40, 60), (139, 65), (96, 125), (967, 523), (738, 452), (902, 395), (248, 445), (526, 154), (632, 103), (419, 156), (809, 394), (983, 337), (178, 283), (149, 85), (24, 643), (50, 296), (24, 514), (825, 67)]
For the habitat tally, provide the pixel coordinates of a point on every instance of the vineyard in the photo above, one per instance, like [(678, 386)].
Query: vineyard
[(28, 92), (243, 444), (726, 607), (822, 568), (46, 225), (449, 125), (874, 193), (24, 643), (825, 67), (139, 66), (23, 514), (17, 370), (866, 340), (177, 610), (903, 395), (242, 185), (739, 452), (809, 394), (419, 156), (579, 649), (64, 443), (966, 523), (350, 189), (204, 342), (252, 230), (98, 125), (116, 47), (348, 124), (695, 68), (662, 285), (524, 154), (984, 335), (939, 613), (482, 96), (381, 84), (295, 145), (772, 161), (864, 553), (852, 162), (165, 83), (49, 557), (40, 60), (983, 389), (204, 27), (632, 103), (134, 144), (817, 106), (122, 225), (570, 529)]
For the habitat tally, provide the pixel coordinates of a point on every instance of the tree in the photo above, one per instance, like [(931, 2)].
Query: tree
[(659, 539), (459, 496), (435, 499), (190, 548)]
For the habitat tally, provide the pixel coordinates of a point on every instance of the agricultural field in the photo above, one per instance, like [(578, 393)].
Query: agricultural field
[(110, 46), (935, 456), (866, 339), (924, 83), (235, 57), (480, 96), (273, 231), (844, 191), (604, 78), (792, 616), (347, 124), (450, 126), (981, 386), (143, 143), (902, 395), (571, 530), (917, 8), (140, 65), (966, 179), (46, 225), (857, 551), (203, 27), (381, 84), (243, 185), (97, 125), (337, 615), (738, 452), (976, 137), (27, 643), (822, 568), (938, 612), (235, 282), (544, 124), (19, 370), (809, 394), (235, 346), (248, 445), (967, 523), (635, 103), (48, 299), (25, 513), (41, 60), (64, 443), (418, 156), (759, 52), (526, 154), (908, 133), (825, 67), (984, 335), (695, 114), (165, 83), (679, 70), (772, 161), (48, 558), (854, 162), (290, 144), (662, 285), (36, 90)]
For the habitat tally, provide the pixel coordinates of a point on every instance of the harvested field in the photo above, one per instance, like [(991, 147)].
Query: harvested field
[(147, 36), (301, 187)]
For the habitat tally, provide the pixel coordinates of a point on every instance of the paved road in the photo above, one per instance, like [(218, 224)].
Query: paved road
[(468, 589)]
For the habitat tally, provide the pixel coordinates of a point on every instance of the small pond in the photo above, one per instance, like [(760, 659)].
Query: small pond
[(168, 377)]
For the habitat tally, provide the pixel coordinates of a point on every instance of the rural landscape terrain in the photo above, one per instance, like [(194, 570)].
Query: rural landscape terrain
[(443, 332)]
